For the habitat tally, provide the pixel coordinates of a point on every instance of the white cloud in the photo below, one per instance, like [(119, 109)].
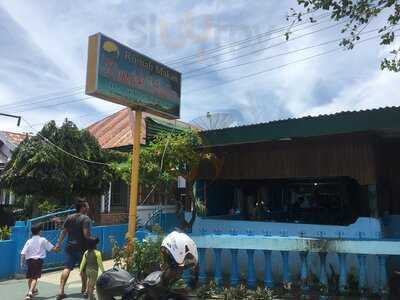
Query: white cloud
[(43, 49), (379, 90)]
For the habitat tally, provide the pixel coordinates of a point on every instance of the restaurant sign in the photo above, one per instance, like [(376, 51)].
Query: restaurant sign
[(122, 75)]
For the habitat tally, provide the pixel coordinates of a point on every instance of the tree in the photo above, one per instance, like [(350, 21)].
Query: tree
[(356, 16), (38, 169), (165, 158)]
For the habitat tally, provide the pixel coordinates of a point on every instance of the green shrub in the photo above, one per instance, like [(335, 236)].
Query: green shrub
[(207, 291), (211, 291), (46, 207), (263, 294), (200, 208), (139, 258), (352, 281), (333, 280), (5, 233)]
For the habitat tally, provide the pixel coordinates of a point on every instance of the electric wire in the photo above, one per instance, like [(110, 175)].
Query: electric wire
[(276, 68), (239, 42), (54, 105), (269, 39), (272, 56), (64, 151), (262, 49), (48, 97)]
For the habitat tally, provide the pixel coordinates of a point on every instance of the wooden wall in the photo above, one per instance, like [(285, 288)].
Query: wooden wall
[(352, 155), (389, 176)]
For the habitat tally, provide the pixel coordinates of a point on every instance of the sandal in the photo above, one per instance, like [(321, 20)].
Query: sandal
[(28, 296), (60, 297), (85, 295), (35, 292)]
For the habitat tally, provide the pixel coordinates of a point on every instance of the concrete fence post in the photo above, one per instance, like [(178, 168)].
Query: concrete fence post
[(234, 273), (267, 269), (202, 265), (251, 273), (217, 262), (19, 235)]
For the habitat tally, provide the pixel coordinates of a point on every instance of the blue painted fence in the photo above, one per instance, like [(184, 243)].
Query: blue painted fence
[(10, 250), (212, 247), (52, 223)]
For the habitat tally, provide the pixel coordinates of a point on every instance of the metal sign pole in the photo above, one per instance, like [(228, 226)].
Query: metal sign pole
[(135, 175)]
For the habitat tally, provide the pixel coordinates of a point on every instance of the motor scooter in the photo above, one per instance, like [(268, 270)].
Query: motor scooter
[(118, 284)]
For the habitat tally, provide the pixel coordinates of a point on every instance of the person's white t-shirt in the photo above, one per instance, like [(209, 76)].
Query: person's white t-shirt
[(36, 248)]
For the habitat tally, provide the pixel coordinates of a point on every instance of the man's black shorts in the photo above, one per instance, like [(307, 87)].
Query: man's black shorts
[(34, 268)]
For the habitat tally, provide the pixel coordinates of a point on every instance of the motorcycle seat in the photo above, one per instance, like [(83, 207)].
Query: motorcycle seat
[(152, 279)]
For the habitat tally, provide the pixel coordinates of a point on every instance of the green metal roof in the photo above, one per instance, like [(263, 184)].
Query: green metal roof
[(387, 118), (155, 126)]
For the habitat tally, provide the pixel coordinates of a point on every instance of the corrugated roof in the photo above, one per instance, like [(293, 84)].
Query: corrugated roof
[(387, 118), (14, 138), (115, 131)]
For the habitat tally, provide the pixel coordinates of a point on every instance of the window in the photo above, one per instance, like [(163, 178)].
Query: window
[(119, 196)]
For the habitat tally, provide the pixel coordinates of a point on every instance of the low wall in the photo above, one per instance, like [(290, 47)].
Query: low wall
[(363, 228), (366, 228), (10, 250), (109, 234), (7, 258), (373, 276)]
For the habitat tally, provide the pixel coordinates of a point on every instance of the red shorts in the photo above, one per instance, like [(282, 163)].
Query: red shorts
[(34, 268)]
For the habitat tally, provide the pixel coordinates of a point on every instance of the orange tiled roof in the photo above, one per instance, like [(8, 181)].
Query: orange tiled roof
[(15, 138)]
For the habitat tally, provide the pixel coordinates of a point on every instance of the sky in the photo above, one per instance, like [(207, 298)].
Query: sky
[(43, 54)]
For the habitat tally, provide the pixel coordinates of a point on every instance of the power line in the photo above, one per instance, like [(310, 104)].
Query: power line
[(28, 100), (269, 39), (239, 42), (76, 118), (24, 105), (58, 104), (66, 152), (271, 57), (196, 90), (161, 167), (275, 68), (262, 49)]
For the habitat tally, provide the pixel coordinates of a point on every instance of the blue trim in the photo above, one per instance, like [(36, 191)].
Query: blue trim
[(51, 215)]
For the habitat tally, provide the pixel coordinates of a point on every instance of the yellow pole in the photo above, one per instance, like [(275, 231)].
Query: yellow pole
[(134, 175)]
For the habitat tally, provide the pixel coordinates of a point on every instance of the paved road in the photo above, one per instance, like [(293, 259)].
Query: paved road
[(16, 289)]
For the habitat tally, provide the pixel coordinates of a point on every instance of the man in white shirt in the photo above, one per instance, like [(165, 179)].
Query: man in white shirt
[(33, 253)]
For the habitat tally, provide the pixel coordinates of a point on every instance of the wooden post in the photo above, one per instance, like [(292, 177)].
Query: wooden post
[(135, 174)]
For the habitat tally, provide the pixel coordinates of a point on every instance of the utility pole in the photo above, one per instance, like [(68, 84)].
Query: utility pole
[(12, 116)]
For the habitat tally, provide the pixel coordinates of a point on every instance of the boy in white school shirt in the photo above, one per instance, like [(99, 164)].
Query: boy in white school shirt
[(33, 253)]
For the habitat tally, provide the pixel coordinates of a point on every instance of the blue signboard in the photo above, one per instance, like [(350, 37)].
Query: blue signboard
[(121, 75)]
